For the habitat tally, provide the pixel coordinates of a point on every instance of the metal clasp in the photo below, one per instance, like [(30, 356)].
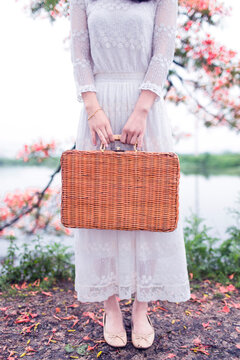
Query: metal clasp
[(118, 148)]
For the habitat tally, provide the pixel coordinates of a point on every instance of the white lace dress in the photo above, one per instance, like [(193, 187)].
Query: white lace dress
[(119, 47)]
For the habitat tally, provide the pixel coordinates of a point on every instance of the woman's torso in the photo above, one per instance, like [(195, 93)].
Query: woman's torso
[(121, 34), (121, 44)]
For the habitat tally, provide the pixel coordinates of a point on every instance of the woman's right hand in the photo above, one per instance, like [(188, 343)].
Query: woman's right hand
[(99, 123)]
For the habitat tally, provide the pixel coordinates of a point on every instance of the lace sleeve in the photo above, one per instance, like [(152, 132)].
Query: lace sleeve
[(164, 34), (80, 48)]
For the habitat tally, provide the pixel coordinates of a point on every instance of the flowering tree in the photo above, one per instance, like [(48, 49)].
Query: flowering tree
[(205, 74), (32, 210), (38, 151), (42, 215)]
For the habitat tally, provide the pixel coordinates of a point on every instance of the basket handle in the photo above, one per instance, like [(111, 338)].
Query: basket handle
[(116, 137)]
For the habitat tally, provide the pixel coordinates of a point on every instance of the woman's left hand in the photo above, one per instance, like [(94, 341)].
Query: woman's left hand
[(134, 128)]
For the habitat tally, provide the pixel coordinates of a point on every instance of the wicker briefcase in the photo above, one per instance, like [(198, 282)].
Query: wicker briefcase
[(120, 189)]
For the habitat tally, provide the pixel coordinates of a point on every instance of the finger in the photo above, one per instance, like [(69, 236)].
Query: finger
[(103, 129), (129, 137), (102, 137), (109, 131), (134, 139), (123, 136), (93, 134), (140, 140)]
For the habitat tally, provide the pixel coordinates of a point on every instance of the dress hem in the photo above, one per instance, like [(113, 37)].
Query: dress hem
[(161, 294)]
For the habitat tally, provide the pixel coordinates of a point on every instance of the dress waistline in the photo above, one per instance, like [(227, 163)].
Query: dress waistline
[(119, 76)]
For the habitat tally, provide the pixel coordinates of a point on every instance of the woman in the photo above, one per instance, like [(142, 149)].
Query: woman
[(121, 52)]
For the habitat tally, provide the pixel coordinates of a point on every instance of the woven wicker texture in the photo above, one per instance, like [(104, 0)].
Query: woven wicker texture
[(131, 190)]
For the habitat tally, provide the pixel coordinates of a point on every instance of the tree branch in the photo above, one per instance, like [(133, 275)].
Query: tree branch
[(28, 209)]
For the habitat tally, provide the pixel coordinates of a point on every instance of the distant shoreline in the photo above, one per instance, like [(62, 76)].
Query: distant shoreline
[(227, 163)]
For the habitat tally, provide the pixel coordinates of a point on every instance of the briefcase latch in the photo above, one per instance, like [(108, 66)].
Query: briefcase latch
[(118, 149)]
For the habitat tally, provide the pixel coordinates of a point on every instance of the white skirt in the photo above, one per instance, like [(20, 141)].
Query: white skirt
[(150, 265)]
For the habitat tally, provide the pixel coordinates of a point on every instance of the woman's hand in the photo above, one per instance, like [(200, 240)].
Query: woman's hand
[(99, 123), (134, 128)]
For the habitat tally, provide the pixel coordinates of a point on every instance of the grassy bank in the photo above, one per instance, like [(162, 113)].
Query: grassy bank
[(205, 257), (210, 164), (50, 162)]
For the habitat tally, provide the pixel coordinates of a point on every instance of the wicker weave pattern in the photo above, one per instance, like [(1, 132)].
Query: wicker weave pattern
[(120, 190)]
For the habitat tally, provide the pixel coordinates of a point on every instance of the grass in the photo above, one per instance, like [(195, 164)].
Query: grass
[(210, 164), (51, 162), (38, 262), (206, 259)]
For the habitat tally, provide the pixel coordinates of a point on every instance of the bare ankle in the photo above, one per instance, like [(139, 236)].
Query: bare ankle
[(140, 306), (111, 304)]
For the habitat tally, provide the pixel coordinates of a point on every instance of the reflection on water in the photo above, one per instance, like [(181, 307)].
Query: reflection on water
[(208, 198)]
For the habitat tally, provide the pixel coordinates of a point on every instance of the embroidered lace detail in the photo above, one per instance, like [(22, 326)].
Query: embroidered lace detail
[(83, 62), (82, 34), (85, 88), (149, 36), (80, 49), (158, 70), (119, 42), (176, 293), (113, 5), (163, 46), (150, 86), (167, 30)]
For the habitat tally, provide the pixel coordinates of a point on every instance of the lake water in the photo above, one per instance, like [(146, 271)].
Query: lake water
[(209, 198)]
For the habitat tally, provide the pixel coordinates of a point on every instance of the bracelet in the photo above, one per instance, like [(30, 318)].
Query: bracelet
[(94, 113)]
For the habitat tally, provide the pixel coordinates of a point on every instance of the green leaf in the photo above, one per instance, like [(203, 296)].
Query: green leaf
[(81, 350), (69, 348)]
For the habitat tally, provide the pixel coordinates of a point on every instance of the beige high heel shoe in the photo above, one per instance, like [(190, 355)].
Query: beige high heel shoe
[(143, 341), (116, 340)]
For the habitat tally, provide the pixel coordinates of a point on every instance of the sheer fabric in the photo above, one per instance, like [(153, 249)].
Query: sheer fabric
[(119, 35), (118, 49)]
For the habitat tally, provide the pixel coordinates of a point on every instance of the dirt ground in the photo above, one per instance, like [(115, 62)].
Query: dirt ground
[(53, 324)]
